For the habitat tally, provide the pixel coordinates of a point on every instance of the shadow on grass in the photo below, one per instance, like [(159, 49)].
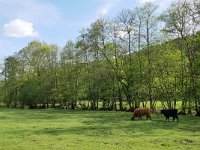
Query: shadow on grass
[(101, 123), (110, 123), (88, 131)]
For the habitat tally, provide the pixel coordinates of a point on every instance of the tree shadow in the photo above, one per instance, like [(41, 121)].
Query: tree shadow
[(102, 123)]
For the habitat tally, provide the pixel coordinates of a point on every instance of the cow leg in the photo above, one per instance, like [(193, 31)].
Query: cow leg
[(167, 118), (132, 118), (148, 117)]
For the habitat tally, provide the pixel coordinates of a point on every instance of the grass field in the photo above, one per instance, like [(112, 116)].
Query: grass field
[(94, 130)]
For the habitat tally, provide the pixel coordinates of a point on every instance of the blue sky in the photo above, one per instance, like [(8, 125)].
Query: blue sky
[(54, 21)]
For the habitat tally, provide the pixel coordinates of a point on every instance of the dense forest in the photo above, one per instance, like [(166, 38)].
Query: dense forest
[(139, 57)]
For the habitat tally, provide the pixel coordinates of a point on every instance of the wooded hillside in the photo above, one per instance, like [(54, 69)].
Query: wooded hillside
[(121, 63)]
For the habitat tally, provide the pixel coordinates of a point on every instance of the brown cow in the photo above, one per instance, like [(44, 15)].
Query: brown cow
[(139, 112)]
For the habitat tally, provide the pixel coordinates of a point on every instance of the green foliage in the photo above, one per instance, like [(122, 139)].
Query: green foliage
[(29, 92), (1, 91), (116, 63)]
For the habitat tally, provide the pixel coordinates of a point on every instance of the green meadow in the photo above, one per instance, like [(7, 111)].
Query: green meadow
[(94, 130)]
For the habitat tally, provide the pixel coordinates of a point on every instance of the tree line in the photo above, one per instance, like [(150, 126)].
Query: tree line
[(138, 57)]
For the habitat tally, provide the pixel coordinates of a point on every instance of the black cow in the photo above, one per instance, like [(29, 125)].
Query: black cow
[(170, 113)]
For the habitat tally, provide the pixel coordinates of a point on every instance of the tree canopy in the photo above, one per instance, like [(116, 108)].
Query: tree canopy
[(116, 64)]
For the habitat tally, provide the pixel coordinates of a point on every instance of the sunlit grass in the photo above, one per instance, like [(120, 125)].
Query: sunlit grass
[(65, 129)]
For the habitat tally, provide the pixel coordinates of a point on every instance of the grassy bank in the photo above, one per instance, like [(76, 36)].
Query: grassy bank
[(99, 130)]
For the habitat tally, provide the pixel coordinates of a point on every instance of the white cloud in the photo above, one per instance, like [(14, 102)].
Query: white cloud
[(107, 6), (19, 28), (42, 13), (145, 1), (105, 9), (164, 4)]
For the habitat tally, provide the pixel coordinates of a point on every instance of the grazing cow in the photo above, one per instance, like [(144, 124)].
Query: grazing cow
[(197, 113), (170, 113), (139, 112)]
